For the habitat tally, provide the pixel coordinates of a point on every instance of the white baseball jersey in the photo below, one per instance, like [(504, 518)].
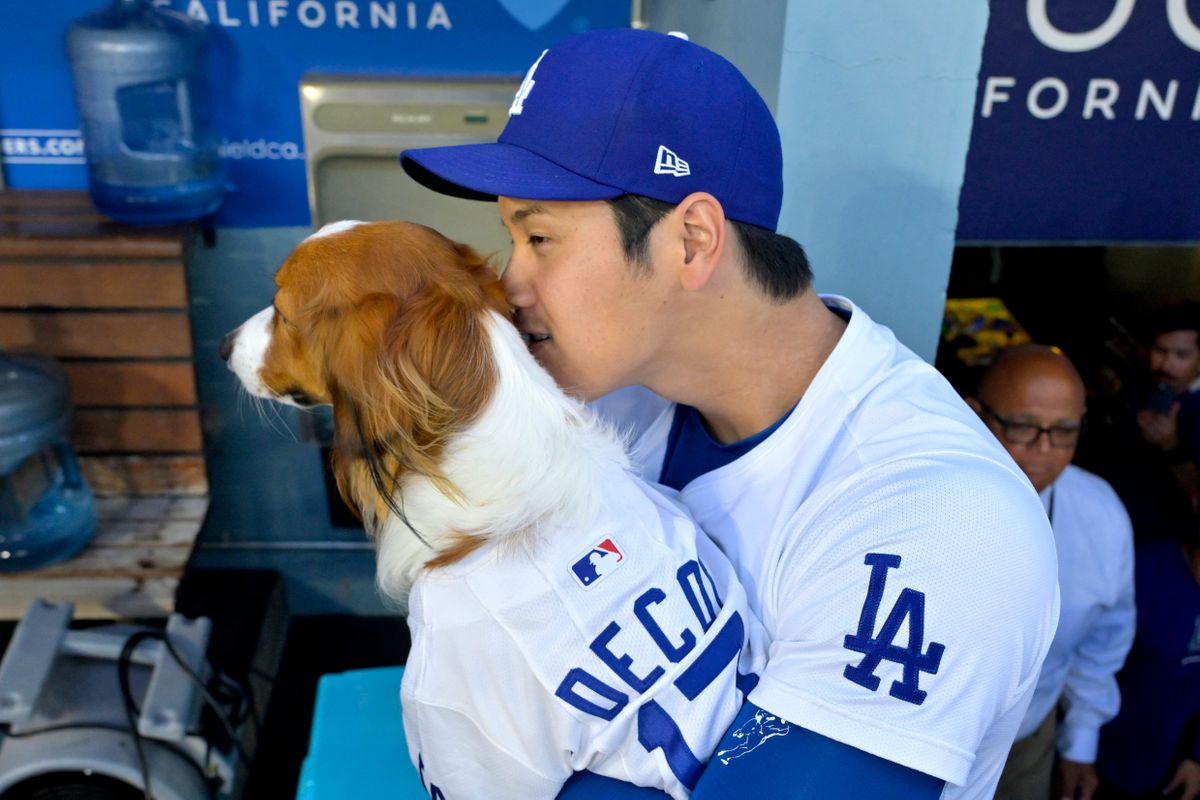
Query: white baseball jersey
[(624, 649), (901, 563)]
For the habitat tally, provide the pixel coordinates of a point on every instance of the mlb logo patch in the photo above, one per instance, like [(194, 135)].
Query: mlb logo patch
[(597, 562)]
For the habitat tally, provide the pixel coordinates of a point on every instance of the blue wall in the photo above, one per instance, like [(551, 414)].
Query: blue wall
[(875, 106), (874, 103)]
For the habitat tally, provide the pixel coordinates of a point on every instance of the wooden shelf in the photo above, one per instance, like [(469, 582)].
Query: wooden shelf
[(109, 301), (131, 568)]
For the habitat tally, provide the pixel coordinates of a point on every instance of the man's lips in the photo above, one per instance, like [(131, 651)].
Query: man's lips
[(532, 339), (531, 330)]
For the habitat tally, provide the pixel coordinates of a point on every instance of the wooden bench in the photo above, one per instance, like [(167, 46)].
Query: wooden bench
[(109, 301)]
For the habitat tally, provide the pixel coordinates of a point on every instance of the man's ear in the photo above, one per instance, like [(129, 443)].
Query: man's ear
[(702, 223)]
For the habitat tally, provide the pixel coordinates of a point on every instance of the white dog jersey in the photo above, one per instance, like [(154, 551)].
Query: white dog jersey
[(625, 649), (900, 562)]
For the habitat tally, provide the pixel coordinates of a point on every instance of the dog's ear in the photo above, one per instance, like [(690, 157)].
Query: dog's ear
[(483, 273), (414, 362), (438, 354), (351, 339), (411, 373), (436, 349)]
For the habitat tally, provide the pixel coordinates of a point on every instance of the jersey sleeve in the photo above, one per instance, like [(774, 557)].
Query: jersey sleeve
[(481, 729), (460, 759), (911, 610)]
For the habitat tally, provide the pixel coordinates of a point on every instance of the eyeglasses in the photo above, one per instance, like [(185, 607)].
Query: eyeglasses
[(1063, 436)]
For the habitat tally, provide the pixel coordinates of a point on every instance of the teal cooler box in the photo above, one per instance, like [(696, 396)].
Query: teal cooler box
[(357, 746)]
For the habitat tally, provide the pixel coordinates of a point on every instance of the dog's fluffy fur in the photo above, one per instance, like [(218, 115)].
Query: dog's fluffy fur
[(448, 435)]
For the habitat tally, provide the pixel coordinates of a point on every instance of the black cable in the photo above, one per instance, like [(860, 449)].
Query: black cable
[(131, 708), (133, 711), (124, 661), (245, 692), (213, 703), (228, 693), (208, 697)]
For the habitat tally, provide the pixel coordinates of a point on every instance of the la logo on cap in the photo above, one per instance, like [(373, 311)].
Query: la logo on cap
[(518, 103)]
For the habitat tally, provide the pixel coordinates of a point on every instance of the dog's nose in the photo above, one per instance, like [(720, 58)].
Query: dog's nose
[(226, 348)]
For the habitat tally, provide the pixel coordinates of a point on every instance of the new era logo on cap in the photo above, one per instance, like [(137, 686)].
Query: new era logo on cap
[(597, 562), (668, 163)]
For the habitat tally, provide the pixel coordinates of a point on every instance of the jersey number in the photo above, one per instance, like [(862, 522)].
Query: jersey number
[(875, 649), (656, 729)]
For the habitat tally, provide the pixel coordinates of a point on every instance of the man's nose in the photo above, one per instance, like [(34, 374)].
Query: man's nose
[(226, 348), (518, 286)]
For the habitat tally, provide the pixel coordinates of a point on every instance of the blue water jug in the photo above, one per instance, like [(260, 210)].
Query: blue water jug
[(46, 509), (139, 75)]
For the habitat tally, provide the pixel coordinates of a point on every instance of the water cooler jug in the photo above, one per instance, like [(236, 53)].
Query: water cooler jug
[(46, 510), (140, 87)]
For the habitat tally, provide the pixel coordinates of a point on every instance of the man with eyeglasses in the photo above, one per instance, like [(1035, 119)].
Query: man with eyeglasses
[(1032, 398)]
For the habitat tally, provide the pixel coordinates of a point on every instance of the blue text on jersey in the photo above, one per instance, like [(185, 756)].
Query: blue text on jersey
[(591, 694), (606, 701)]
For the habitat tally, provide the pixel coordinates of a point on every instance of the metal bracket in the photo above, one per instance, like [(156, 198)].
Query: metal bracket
[(25, 668)]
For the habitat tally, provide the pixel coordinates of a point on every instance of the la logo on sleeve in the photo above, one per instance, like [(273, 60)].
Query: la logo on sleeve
[(909, 606)]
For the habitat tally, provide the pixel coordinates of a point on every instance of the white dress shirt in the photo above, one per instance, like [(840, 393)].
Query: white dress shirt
[(1094, 540)]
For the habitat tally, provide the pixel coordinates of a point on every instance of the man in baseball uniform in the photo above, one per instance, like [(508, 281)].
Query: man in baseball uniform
[(900, 562)]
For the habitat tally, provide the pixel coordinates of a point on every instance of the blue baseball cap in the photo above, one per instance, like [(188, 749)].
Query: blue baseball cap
[(615, 112)]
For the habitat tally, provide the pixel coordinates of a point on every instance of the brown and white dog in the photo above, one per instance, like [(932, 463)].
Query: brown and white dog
[(447, 433), (501, 509)]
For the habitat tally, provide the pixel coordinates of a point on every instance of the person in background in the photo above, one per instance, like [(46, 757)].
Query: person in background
[(1033, 399), (1171, 425), (1157, 446), (1152, 748), (900, 561)]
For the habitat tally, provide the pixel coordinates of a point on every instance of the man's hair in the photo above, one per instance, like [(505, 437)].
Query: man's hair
[(1183, 316), (775, 263)]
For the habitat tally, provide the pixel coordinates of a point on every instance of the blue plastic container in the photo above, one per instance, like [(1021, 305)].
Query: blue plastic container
[(140, 87), (46, 510)]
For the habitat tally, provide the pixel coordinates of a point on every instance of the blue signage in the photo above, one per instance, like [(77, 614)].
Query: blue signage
[(260, 49), (1087, 124)]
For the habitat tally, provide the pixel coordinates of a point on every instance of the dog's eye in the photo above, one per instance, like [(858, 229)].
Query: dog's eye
[(283, 319)]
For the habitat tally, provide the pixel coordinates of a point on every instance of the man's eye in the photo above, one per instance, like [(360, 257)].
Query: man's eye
[(535, 240)]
